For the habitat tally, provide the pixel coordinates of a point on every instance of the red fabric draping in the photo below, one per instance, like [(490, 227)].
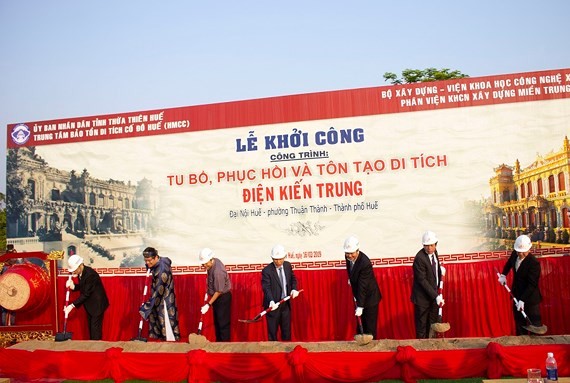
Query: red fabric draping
[(297, 366), (476, 305)]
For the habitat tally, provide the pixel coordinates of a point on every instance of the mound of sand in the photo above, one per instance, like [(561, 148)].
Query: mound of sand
[(200, 342)]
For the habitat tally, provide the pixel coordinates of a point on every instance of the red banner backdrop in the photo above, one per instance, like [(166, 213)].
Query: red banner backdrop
[(476, 91), (476, 305)]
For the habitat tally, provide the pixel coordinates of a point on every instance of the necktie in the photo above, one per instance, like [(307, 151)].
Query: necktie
[(283, 283), (433, 265)]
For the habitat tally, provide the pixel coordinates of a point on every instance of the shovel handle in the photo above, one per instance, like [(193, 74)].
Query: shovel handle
[(440, 292), (360, 328), (267, 310), (145, 290), (358, 319), (515, 300), (67, 302), (202, 315), (279, 303)]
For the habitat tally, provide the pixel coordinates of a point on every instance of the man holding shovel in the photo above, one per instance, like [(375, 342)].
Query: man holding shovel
[(160, 309), (526, 269), (278, 281), (92, 295), (365, 290), (219, 287), (425, 295)]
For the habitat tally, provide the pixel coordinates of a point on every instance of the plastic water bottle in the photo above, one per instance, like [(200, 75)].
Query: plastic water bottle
[(551, 368)]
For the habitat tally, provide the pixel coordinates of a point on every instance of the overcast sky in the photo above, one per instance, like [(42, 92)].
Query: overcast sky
[(63, 59)]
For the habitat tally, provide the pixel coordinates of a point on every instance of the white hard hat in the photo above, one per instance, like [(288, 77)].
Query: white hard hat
[(429, 238), (523, 243), (206, 255), (351, 244), (73, 262), (278, 252)]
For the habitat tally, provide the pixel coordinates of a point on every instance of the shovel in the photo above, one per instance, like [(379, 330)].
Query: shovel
[(440, 327), (63, 336), (199, 339), (202, 315), (139, 337), (361, 338), (540, 330), (261, 314)]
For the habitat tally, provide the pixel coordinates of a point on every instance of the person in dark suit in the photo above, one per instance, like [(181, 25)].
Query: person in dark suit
[(425, 295), (92, 295), (365, 290), (526, 269), (278, 281)]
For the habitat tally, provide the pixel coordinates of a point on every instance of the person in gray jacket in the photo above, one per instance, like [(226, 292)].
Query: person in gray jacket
[(219, 292)]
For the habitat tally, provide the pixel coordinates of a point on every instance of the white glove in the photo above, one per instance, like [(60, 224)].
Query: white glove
[(69, 284), (358, 311), (443, 271), (205, 308), (67, 309), (439, 300), (273, 305), (520, 306), (502, 279), (294, 294)]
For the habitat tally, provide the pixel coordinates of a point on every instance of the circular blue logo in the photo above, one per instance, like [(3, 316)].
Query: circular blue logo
[(20, 134)]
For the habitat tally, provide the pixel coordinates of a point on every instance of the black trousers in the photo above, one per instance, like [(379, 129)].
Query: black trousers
[(532, 312), (222, 314), (369, 320), (424, 316), (280, 318), (95, 323)]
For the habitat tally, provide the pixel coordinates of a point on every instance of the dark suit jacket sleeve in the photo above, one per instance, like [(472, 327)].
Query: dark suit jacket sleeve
[(530, 292), (423, 276), (291, 279), (363, 282), (266, 286), (86, 286), (510, 263), (366, 273)]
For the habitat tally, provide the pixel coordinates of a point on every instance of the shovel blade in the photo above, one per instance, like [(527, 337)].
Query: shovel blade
[(540, 330), (256, 319), (197, 339), (363, 339), (440, 327), (62, 336), (247, 320)]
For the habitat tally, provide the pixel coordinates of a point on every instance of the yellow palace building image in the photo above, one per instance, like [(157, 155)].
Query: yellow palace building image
[(533, 200)]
